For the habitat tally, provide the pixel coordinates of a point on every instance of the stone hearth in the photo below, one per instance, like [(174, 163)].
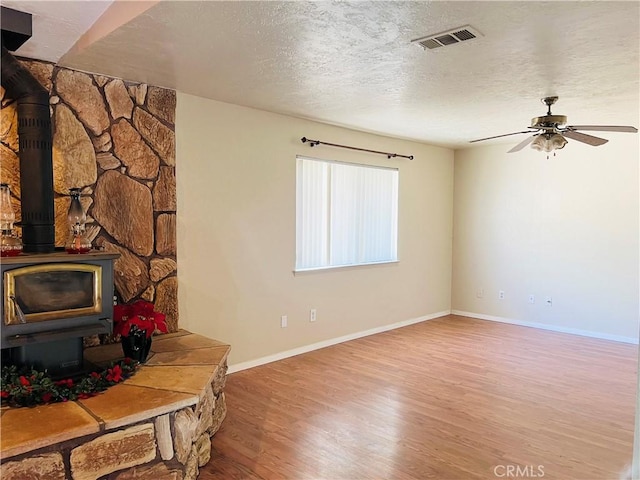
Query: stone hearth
[(156, 425)]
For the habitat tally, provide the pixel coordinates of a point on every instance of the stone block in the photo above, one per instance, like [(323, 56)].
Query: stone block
[(78, 90), (107, 161), (185, 424), (191, 468), (114, 451), (161, 138), (39, 467), (161, 267), (132, 226), (74, 159), (167, 301), (203, 449), (162, 103), (166, 234), (9, 126), (164, 192), (140, 160), (130, 273), (118, 99), (102, 143), (10, 169), (149, 294), (159, 471), (204, 411), (218, 414), (138, 93), (220, 378), (163, 437), (101, 80)]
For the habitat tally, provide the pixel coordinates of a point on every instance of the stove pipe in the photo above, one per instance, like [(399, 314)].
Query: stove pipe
[(36, 164)]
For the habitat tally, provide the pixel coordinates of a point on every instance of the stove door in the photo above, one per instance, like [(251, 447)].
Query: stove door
[(51, 291)]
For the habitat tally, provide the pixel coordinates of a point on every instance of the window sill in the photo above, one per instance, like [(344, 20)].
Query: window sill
[(342, 267)]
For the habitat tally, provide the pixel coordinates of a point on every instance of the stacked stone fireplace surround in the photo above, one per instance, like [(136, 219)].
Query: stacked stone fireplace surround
[(116, 141)]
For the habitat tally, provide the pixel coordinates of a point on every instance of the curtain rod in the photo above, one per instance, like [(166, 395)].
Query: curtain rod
[(313, 143)]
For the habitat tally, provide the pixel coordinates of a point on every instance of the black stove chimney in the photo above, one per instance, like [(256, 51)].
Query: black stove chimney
[(35, 143)]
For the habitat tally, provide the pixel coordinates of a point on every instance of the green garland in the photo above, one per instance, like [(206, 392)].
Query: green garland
[(27, 387)]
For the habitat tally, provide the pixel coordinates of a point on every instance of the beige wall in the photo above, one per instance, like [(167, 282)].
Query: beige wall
[(566, 227), (236, 232)]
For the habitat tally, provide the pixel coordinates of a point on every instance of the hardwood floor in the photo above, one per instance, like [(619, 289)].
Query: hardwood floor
[(452, 398)]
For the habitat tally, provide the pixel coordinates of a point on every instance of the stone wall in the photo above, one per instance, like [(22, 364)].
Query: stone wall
[(116, 141)]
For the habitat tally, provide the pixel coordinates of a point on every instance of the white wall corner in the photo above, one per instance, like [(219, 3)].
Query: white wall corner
[(544, 326)]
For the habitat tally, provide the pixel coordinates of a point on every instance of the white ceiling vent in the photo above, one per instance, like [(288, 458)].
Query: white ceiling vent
[(450, 37)]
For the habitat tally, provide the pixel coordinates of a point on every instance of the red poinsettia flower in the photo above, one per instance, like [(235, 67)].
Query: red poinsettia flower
[(46, 397), (139, 316), (24, 381), (142, 308), (4, 394), (114, 374), (66, 382)]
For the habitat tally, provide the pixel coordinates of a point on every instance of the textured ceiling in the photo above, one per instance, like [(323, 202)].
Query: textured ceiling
[(352, 63)]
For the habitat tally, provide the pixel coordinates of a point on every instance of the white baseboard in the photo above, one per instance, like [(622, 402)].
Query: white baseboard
[(545, 326), (332, 341)]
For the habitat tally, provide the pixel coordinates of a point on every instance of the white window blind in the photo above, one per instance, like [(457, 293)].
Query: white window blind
[(346, 214)]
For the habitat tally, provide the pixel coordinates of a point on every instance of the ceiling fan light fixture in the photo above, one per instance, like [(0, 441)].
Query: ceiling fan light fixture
[(548, 142)]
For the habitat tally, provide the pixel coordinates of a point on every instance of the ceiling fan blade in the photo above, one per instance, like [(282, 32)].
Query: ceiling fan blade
[(522, 144), (584, 138), (604, 128), (498, 136)]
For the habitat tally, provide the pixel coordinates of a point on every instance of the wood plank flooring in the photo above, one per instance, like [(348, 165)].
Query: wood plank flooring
[(452, 398)]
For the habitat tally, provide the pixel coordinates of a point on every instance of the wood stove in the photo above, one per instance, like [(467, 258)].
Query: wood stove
[(49, 303), (50, 300)]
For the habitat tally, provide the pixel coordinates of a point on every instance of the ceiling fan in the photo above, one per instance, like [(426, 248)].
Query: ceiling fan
[(551, 133)]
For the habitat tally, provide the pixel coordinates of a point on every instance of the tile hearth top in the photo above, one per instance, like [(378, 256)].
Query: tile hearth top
[(175, 375)]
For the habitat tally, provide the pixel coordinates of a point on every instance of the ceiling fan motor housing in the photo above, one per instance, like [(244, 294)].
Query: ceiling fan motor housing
[(548, 121)]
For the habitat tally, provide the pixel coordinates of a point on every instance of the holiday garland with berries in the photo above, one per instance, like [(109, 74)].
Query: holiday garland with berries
[(27, 387)]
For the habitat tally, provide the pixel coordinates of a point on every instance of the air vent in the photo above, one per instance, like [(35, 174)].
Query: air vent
[(450, 37)]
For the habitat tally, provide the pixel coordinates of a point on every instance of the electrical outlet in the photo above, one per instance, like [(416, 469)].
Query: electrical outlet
[(548, 301), (532, 299), (501, 295), (283, 321), (312, 315)]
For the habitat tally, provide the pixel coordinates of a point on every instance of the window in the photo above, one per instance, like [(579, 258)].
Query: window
[(346, 214)]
